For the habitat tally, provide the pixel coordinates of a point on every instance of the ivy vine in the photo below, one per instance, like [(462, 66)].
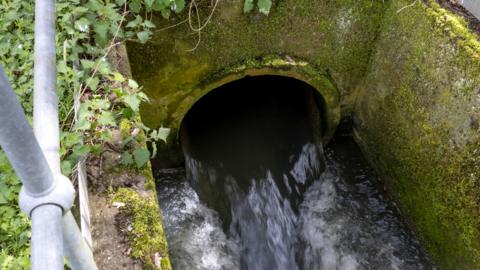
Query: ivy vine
[(94, 98)]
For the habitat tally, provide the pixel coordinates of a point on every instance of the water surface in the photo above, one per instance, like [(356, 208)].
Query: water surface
[(259, 191)]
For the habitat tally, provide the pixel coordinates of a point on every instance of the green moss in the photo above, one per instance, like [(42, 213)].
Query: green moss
[(146, 235), (335, 37), (415, 122), (413, 74), (125, 127), (149, 180), (456, 28)]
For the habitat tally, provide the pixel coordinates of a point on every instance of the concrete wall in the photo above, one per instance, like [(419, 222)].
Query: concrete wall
[(324, 43), (409, 75), (417, 120), (473, 6)]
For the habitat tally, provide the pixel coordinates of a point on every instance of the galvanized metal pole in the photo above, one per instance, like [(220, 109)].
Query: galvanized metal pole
[(46, 124), (45, 109), (47, 240), (18, 142), (78, 253), (23, 151)]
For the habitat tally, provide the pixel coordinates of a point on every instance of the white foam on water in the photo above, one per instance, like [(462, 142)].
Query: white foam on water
[(194, 233), (338, 225)]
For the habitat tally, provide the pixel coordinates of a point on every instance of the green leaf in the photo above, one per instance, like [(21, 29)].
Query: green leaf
[(165, 13), (99, 104), (141, 156), (81, 150), (179, 6), (70, 139), (101, 31), (77, 11), (3, 199), (87, 64), (84, 115), (106, 135), (93, 83), (134, 23), (127, 140), (103, 67), (158, 5), (126, 158), (132, 84), (148, 24), (135, 6), (160, 134), (66, 167), (83, 124), (264, 6), (248, 6), (62, 67), (107, 119), (148, 4), (132, 101), (118, 77), (82, 24), (143, 36), (96, 149)]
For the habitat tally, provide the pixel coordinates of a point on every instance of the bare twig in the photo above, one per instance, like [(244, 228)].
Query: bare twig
[(208, 18), (407, 6), (198, 21), (200, 25), (171, 26)]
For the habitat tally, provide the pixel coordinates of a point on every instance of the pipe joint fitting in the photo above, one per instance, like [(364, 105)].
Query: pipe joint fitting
[(61, 195)]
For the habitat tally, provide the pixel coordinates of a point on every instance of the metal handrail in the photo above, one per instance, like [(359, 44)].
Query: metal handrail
[(25, 155), (46, 196)]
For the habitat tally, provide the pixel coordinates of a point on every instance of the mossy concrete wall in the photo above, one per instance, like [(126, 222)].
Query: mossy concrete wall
[(324, 43), (411, 80), (417, 119)]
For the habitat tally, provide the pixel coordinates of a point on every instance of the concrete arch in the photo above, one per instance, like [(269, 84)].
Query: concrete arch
[(301, 71)]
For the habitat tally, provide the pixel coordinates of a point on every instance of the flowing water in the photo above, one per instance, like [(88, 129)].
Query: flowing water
[(260, 192)]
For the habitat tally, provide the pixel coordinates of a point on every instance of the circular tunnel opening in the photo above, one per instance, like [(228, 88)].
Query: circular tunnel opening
[(248, 129), (253, 123)]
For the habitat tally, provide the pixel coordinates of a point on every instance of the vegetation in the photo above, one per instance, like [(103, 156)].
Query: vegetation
[(93, 96), (146, 231)]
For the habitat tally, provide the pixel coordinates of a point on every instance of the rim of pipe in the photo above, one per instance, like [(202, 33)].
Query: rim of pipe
[(319, 79)]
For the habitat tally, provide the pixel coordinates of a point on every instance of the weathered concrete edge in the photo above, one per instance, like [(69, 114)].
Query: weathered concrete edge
[(278, 66), (146, 238)]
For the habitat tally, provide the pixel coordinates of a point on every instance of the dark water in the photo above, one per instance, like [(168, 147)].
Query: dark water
[(259, 191)]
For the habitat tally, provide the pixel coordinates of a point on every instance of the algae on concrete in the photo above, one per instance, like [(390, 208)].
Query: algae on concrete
[(417, 120), (334, 38), (410, 78), (145, 231)]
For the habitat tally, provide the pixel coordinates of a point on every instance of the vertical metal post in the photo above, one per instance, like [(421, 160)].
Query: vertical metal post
[(46, 243), (45, 115), (45, 109), (46, 124)]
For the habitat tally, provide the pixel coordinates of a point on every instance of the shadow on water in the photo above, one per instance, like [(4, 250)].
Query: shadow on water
[(259, 192)]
